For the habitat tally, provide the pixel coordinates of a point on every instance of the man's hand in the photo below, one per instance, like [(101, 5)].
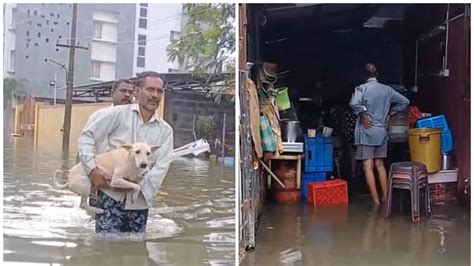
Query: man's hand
[(387, 121), (365, 120), (98, 178)]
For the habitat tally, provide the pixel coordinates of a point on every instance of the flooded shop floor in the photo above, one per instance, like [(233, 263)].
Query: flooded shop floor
[(358, 234)]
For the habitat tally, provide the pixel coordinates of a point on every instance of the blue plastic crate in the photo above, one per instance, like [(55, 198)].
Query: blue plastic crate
[(311, 177), (318, 154), (441, 123), (433, 122)]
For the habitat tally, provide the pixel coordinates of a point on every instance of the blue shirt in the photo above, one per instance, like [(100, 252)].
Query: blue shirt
[(375, 100)]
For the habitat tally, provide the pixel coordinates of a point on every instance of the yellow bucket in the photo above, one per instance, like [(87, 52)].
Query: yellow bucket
[(425, 147)]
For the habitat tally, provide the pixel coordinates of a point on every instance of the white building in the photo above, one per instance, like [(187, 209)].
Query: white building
[(9, 33), (122, 40), (156, 25)]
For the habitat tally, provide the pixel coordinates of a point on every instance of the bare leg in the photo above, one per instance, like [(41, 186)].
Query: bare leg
[(369, 176), (379, 164)]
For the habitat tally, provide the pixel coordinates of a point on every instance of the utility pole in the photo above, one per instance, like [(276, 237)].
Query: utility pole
[(69, 82)]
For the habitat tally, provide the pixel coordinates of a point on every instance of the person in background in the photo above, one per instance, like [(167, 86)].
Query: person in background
[(374, 103), (125, 124)]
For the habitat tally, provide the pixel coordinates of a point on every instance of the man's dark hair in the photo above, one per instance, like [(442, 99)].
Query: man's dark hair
[(143, 75), (120, 81), (370, 70)]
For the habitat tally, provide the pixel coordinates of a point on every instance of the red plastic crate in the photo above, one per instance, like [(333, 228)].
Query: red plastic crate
[(328, 192)]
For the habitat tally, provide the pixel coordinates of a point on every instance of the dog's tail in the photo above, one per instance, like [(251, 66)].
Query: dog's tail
[(56, 182)]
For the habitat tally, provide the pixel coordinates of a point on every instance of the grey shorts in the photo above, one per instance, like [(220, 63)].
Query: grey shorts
[(364, 152)]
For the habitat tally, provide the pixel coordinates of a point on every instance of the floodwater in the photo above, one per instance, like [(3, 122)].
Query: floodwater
[(358, 234), (191, 223)]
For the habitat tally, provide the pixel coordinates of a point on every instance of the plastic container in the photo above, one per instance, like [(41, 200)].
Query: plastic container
[(441, 123), (310, 178), (286, 196), (328, 192), (318, 154), (283, 100), (425, 147)]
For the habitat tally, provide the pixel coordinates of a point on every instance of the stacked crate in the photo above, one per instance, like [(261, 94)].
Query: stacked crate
[(318, 161)]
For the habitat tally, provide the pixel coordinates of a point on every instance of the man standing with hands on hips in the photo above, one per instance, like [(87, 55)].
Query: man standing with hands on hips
[(374, 103)]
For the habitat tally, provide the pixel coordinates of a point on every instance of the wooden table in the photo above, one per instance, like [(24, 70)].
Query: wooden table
[(286, 157)]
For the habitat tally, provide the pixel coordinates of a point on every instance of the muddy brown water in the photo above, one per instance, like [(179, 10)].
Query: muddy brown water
[(191, 223), (358, 234)]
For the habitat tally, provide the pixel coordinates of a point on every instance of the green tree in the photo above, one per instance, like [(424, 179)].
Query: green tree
[(205, 126), (207, 45), (12, 88)]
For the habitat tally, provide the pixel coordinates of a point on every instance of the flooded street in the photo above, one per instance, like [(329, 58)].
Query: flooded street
[(191, 222), (359, 235)]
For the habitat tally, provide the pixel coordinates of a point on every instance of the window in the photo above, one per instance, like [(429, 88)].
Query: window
[(173, 70), (39, 34), (13, 18), (39, 24), (141, 50), (141, 39), (51, 14), (11, 63), (27, 33), (47, 40), (140, 61), (96, 69), (58, 15), (144, 5), (143, 12), (47, 22), (28, 13), (142, 23), (98, 29), (35, 13)]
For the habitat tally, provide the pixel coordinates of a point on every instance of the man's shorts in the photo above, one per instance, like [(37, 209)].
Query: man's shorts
[(364, 152), (116, 219)]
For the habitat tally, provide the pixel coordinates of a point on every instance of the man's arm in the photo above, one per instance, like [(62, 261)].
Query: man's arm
[(356, 103), (399, 102), (153, 179), (98, 127), (359, 108)]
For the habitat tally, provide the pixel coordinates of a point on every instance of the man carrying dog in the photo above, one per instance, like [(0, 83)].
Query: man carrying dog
[(122, 94), (127, 124)]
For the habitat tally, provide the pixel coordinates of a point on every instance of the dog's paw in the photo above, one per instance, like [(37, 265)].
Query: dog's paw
[(142, 183), (135, 195), (99, 211)]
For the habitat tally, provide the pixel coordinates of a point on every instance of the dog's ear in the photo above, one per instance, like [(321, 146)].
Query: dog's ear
[(127, 146), (154, 148)]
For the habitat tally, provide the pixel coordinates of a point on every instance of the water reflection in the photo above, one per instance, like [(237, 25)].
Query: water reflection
[(358, 234), (192, 221)]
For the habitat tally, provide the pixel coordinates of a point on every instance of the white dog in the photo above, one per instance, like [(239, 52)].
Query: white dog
[(123, 167)]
